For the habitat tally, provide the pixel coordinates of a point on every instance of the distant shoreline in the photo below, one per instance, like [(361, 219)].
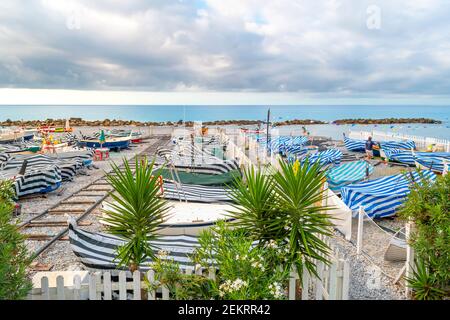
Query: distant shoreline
[(78, 122)]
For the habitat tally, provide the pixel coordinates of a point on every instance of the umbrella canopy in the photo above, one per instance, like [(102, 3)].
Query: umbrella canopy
[(102, 138)]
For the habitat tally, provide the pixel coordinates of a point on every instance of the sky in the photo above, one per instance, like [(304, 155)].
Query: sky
[(219, 52)]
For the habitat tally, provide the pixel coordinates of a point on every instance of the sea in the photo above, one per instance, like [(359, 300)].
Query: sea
[(175, 113)]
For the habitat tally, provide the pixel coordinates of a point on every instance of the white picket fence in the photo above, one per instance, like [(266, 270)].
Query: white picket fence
[(421, 142), (84, 285)]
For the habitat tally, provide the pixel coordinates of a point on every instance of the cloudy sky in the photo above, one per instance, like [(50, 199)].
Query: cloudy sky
[(283, 51)]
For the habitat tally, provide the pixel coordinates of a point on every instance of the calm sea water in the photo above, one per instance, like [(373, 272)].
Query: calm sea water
[(236, 112)]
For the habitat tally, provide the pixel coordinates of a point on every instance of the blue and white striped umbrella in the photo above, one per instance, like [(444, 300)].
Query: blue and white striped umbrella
[(383, 196), (329, 156), (348, 173)]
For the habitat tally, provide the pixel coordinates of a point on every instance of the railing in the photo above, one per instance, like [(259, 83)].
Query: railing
[(333, 284), (421, 142)]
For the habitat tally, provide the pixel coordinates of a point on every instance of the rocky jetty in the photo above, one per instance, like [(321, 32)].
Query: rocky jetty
[(78, 122), (298, 122), (387, 121)]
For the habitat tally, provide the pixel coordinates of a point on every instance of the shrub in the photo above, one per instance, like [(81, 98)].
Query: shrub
[(7, 193), (245, 271), (427, 206), (14, 259)]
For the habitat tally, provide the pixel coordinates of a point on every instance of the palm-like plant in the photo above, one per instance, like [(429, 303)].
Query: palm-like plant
[(304, 218), (286, 207), (254, 204), (137, 211)]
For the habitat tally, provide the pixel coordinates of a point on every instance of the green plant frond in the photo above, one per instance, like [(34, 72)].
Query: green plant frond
[(137, 211)]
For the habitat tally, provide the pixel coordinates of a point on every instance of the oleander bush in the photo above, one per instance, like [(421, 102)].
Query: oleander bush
[(14, 259), (427, 206), (244, 271)]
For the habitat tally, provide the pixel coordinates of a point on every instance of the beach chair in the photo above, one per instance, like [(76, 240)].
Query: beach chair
[(396, 251)]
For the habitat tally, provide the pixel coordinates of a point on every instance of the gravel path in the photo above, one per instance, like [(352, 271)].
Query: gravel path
[(367, 282)]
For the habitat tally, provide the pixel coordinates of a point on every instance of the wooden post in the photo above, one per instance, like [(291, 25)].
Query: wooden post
[(122, 285), (360, 230), (292, 282), (346, 281), (92, 287), (409, 256), (76, 287), (136, 285), (45, 289), (305, 284), (107, 289), (333, 280), (319, 281), (151, 279), (60, 294)]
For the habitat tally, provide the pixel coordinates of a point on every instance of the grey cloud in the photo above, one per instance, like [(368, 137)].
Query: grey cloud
[(296, 46)]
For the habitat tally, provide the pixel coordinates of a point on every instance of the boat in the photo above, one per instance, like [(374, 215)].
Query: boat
[(99, 250), (324, 158), (110, 143), (409, 156), (195, 193), (36, 180), (360, 145), (433, 162), (348, 173), (68, 167), (382, 197), (11, 135), (185, 218), (188, 177), (282, 144)]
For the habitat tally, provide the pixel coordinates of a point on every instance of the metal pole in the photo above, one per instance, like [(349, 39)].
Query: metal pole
[(267, 125)]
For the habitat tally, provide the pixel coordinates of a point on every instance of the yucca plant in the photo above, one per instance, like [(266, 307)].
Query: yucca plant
[(304, 219), (286, 207), (424, 284), (255, 204), (137, 211)]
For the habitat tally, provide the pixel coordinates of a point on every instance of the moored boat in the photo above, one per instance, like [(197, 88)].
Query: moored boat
[(110, 143)]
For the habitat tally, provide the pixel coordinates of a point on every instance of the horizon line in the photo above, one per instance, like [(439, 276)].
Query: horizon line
[(49, 97)]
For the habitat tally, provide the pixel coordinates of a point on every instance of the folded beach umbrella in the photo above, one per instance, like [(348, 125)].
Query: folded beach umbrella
[(383, 196), (348, 173), (102, 138)]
